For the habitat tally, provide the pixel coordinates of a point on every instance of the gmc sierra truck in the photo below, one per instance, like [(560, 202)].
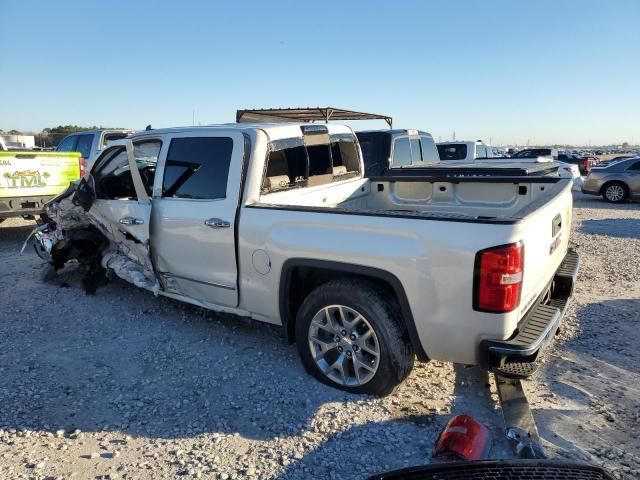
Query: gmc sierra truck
[(277, 222)]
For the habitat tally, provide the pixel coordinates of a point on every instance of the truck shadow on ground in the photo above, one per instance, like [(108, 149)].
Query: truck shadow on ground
[(625, 227), (408, 439), (126, 361)]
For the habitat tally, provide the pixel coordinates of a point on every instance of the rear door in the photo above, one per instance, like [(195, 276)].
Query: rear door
[(194, 215)]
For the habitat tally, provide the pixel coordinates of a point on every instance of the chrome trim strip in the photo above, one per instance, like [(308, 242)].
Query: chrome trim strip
[(226, 287)]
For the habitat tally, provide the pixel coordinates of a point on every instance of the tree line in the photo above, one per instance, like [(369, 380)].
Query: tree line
[(50, 137)]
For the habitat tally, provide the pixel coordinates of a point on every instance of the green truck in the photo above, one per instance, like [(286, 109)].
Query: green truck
[(29, 179)]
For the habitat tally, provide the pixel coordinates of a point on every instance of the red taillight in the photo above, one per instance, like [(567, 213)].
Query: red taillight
[(82, 167), (498, 278), (585, 164), (464, 437)]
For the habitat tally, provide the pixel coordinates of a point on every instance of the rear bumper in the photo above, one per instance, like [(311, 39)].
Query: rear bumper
[(518, 356), (19, 206)]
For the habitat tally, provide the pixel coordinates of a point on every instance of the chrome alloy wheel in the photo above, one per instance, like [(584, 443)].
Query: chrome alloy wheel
[(344, 345), (614, 193)]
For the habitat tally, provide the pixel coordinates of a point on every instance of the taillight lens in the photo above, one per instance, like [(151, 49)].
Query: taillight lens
[(82, 167), (498, 278)]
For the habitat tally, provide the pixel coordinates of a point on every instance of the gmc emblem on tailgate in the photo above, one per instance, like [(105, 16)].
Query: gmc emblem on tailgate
[(556, 229)]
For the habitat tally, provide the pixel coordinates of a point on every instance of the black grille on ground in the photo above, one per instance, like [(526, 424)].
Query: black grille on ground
[(500, 470)]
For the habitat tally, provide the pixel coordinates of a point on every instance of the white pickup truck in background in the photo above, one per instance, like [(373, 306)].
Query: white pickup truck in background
[(89, 143), (278, 223)]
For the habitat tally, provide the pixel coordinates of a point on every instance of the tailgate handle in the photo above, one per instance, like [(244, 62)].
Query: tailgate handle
[(216, 223), (556, 225), (131, 221)]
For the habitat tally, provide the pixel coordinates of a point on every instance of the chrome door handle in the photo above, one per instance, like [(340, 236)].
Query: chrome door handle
[(216, 223), (131, 221)]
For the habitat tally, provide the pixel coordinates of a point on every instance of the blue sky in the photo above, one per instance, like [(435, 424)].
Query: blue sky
[(542, 71)]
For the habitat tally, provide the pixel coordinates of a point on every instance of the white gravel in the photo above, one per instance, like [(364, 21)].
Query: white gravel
[(126, 385)]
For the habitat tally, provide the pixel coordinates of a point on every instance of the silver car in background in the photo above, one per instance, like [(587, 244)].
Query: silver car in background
[(616, 182)]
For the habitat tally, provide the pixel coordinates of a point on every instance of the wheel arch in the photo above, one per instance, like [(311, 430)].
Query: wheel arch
[(609, 182), (299, 276)]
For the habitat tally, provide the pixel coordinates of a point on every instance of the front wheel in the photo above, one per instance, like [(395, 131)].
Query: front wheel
[(349, 335), (615, 192)]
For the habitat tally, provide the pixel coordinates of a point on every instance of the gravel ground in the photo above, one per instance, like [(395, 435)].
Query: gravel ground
[(125, 385)]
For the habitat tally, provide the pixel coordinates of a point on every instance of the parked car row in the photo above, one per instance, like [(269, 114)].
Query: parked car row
[(616, 181)]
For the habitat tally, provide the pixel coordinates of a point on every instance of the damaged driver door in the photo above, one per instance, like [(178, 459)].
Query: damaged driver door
[(123, 182)]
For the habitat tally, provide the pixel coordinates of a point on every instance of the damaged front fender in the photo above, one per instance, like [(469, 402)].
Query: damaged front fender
[(74, 230)]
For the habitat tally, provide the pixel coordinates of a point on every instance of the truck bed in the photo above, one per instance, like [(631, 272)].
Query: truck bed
[(496, 199)]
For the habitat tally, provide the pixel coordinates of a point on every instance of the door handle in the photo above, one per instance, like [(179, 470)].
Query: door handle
[(216, 223), (131, 221)]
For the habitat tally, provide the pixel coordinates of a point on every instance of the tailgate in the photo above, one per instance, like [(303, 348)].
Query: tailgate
[(545, 234), (28, 174)]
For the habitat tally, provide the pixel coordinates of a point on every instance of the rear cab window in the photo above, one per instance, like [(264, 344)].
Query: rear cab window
[(452, 151), (84, 144), (291, 164), (401, 152), (68, 144), (429, 150), (109, 137)]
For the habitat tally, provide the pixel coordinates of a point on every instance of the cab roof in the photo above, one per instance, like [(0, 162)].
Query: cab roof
[(275, 131)]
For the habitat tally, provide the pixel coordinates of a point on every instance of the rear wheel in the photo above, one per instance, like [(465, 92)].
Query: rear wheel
[(349, 335), (615, 192)]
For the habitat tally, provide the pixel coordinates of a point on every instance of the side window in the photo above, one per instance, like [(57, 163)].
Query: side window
[(429, 150), (401, 152), (68, 144), (635, 166), (481, 151), (84, 145), (197, 167), (113, 179), (416, 154)]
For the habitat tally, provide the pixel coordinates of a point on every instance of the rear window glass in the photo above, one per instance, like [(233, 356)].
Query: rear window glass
[(308, 166), (635, 166), (452, 151), (429, 150), (84, 145), (197, 168), (68, 144), (110, 137), (401, 152)]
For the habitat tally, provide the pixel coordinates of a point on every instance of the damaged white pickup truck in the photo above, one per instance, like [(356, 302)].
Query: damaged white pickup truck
[(276, 222)]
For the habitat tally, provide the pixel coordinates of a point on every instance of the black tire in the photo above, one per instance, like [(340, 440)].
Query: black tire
[(381, 311), (611, 190)]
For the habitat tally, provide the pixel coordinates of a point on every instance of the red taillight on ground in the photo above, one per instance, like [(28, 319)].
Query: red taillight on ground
[(498, 278), (82, 167), (464, 437)]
